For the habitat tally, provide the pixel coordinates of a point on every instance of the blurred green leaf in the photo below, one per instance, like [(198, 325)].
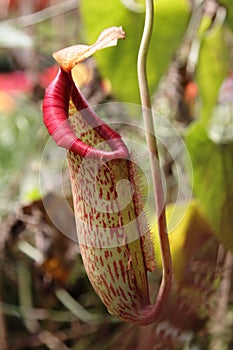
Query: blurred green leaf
[(119, 65), (188, 232), (22, 134), (213, 181), (212, 68), (229, 7)]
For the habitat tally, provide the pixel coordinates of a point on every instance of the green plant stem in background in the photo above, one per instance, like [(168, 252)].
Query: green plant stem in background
[(154, 161)]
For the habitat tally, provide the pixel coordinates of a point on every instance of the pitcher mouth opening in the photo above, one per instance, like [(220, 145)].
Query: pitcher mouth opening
[(55, 112)]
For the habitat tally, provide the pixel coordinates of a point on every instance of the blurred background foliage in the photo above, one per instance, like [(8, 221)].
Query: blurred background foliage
[(46, 301)]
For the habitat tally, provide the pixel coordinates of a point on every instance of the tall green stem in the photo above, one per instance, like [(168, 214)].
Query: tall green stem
[(154, 161)]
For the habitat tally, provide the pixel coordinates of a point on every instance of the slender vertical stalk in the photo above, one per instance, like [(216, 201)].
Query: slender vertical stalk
[(154, 160)]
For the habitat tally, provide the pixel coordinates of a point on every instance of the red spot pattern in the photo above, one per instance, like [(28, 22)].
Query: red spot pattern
[(119, 277), (114, 238)]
